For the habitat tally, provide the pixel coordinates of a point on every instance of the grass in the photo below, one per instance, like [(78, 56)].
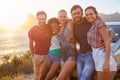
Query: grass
[(16, 67), (19, 76)]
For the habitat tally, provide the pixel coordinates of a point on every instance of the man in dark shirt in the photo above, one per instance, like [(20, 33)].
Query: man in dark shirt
[(85, 64)]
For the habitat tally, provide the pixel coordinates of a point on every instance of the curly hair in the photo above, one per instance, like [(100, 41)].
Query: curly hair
[(53, 20)]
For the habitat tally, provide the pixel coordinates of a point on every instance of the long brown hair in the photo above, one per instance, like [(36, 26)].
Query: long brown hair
[(93, 8)]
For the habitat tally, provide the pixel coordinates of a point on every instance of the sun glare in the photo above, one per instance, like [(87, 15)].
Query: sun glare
[(9, 35), (10, 27), (14, 13)]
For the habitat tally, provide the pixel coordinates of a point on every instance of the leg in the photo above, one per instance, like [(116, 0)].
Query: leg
[(67, 68), (53, 70), (68, 77), (34, 68), (62, 64), (88, 69), (105, 75), (94, 76), (37, 62), (80, 65), (46, 67)]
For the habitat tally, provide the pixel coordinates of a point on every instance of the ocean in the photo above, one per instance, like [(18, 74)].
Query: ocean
[(13, 42)]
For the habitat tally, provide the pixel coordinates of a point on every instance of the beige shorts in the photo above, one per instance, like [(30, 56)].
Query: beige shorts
[(99, 59), (37, 64)]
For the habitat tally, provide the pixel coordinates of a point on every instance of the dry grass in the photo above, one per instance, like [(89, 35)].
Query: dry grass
[(19, 76)]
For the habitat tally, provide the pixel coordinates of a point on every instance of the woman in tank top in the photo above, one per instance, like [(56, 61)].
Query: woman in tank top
[(68, 49)]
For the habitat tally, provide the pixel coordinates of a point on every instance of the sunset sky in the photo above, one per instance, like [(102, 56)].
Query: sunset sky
[(13, 13)]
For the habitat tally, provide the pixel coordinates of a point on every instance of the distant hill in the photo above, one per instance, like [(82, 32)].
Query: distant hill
[(31, 19), (110, 17)]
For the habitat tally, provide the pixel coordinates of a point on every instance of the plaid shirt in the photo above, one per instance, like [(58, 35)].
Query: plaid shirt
[(93, 36)]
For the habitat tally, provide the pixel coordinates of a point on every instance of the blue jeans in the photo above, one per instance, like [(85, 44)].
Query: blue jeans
[(85, 66)]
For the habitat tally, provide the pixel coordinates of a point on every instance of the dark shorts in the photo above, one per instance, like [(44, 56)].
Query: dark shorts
[(52, 58), (68, 53)]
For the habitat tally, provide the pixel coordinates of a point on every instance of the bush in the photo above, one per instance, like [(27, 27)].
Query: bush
[(6, 69), (27, 67), (26, 55), (18, 64), (6, 78)]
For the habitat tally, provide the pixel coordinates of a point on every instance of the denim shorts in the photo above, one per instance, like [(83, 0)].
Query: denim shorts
[(52, 58), (68, 53)]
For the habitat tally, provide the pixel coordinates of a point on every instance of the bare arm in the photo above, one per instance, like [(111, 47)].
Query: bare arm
[(72, 39), (105, 35), (111, 35), (111, 32), (31, 46)]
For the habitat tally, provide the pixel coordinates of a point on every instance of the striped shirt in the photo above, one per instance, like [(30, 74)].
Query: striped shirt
[(55, 48)]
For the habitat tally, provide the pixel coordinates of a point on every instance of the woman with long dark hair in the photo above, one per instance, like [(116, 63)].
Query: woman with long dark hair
[(98, 38)]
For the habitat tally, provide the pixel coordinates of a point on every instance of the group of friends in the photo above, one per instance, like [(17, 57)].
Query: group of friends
[(53, 46)]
